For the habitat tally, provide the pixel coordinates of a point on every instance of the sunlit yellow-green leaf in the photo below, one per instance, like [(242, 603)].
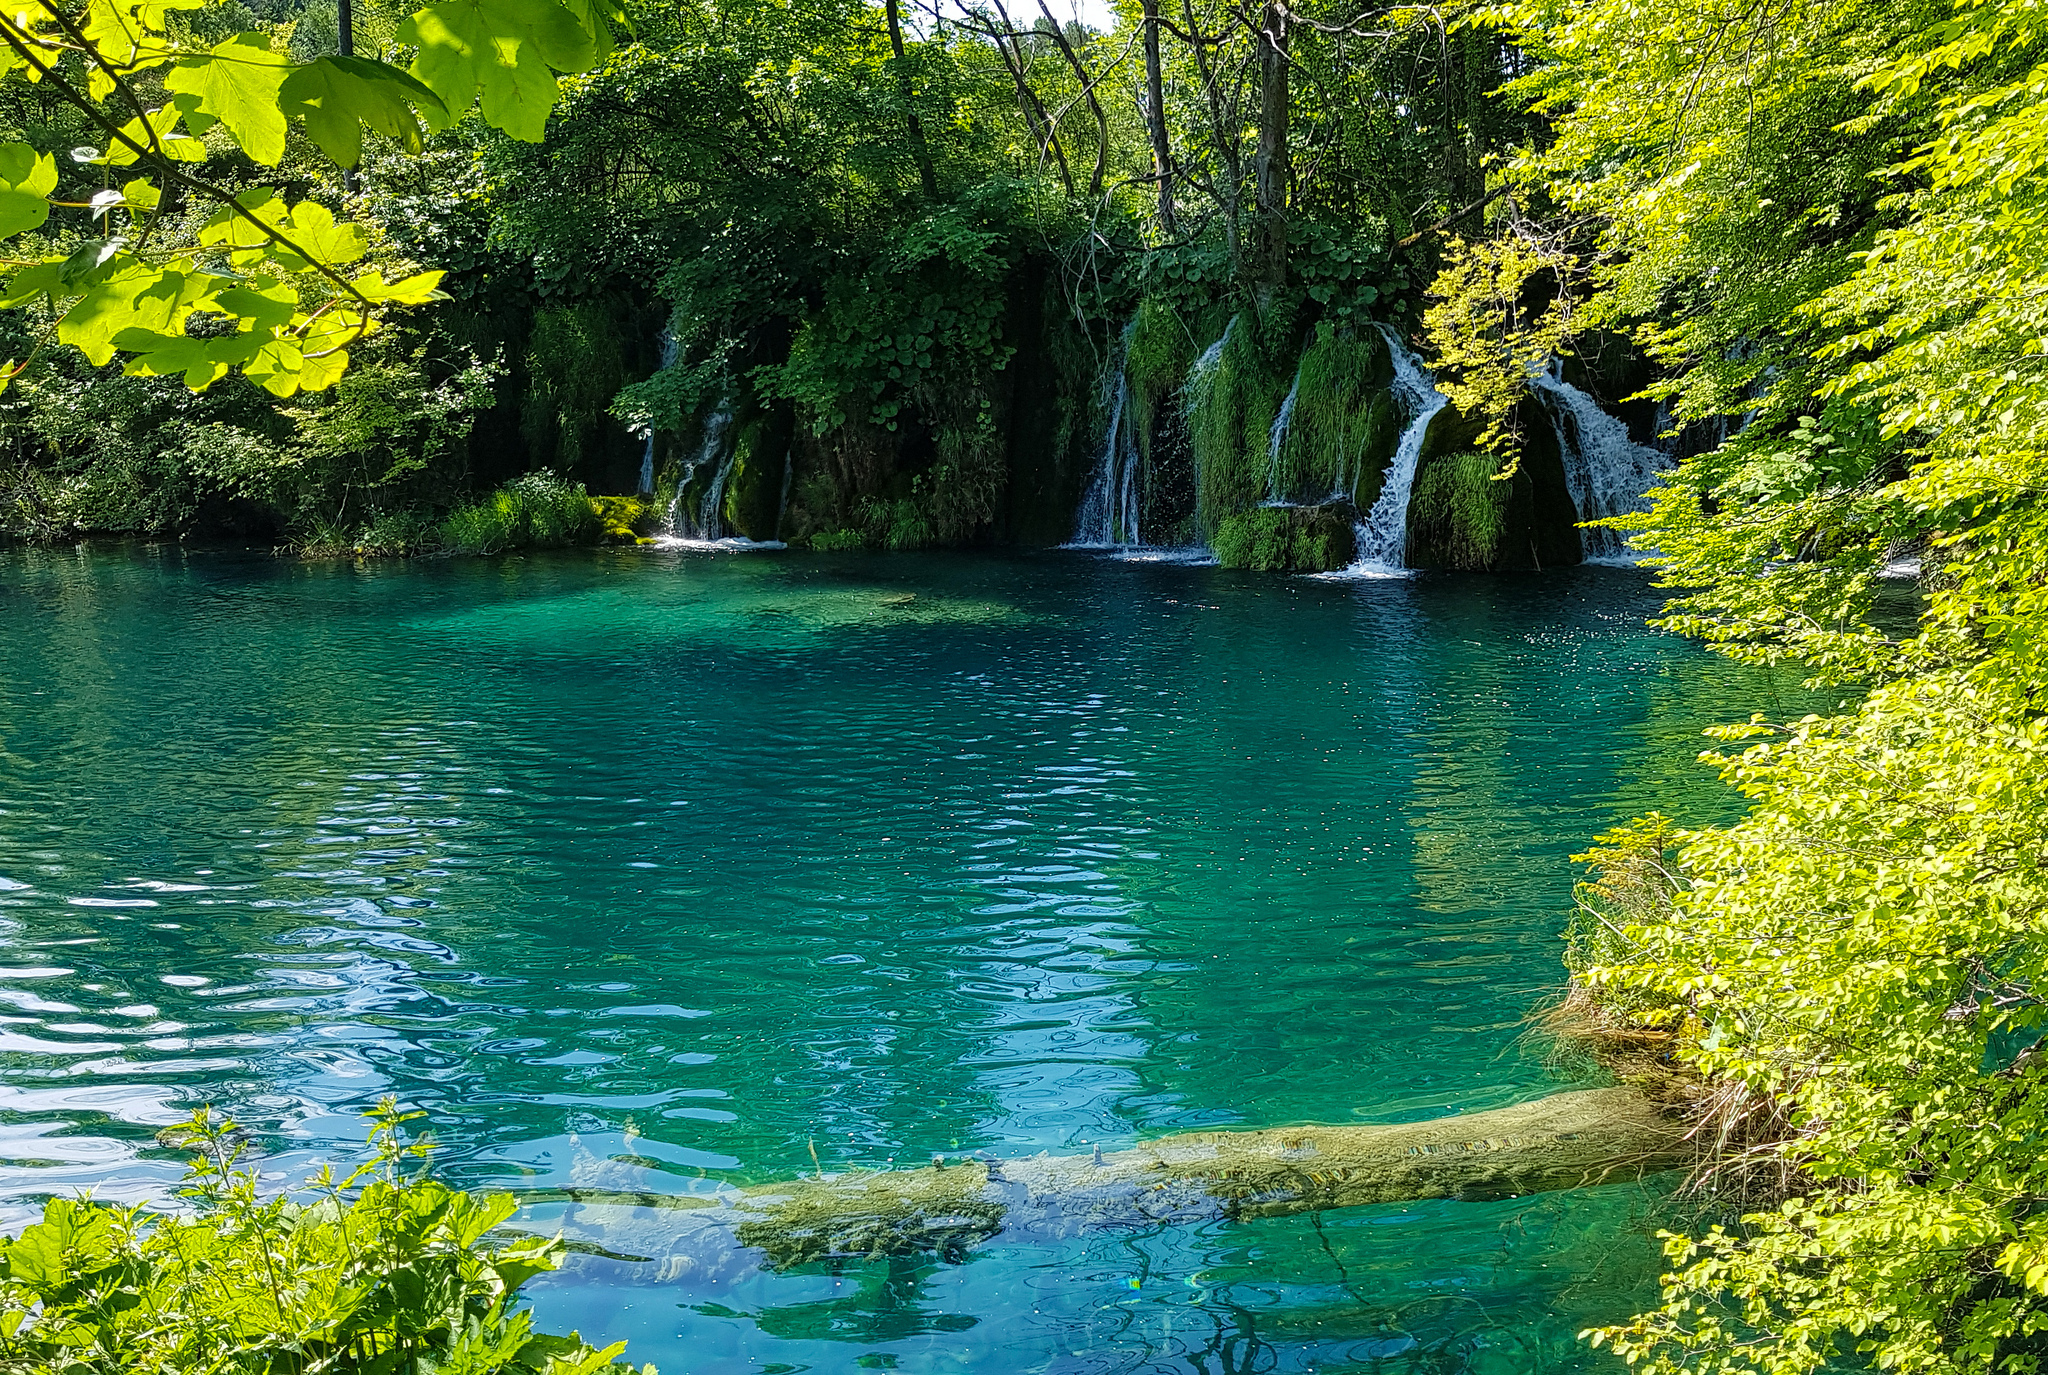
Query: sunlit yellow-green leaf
[(237, 83)]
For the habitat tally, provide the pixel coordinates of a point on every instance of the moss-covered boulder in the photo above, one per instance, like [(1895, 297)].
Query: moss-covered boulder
[(1289, 539), (1462, 515), (761, 458), (1345, 421)]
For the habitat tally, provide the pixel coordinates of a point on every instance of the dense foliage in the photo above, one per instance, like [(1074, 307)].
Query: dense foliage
[(378, 1272), (880, 256), (1824, 220)]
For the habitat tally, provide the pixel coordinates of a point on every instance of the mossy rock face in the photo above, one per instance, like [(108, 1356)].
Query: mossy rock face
[(1289, 539), (1231, 404), (761, 458), (1461, 517), (1345, 423)]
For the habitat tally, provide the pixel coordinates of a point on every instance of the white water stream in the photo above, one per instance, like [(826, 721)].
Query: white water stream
[(1606, 470), (715, 453), (668, 358), (1109, 510), (1275, 439), (1383, 534)]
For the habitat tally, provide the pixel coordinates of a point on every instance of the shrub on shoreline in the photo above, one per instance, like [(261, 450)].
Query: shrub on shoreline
[(381, 1273)]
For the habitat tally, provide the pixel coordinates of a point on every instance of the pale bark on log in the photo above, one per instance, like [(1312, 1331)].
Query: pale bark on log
[(1568, 1140)]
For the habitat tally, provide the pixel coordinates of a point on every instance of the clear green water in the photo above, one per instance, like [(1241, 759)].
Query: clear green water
[(890, 856)]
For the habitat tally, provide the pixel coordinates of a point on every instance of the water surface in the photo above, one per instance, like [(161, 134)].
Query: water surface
[(712, 861)]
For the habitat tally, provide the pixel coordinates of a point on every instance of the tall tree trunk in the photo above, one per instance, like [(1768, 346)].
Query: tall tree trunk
[(1274, 173), (925, 172), (1059, 36), (346, 18), (1035, 116), (1155, 120)]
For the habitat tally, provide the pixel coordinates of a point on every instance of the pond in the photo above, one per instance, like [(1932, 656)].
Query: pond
[(703, 863)]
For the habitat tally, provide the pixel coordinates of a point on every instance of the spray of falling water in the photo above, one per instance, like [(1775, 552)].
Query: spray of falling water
[(1383, 534), (1109, 509), (1606, 471)]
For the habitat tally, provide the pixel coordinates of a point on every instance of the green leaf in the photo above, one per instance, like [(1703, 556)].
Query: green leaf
[(160, 132), (415, 290), (313, 228), (160, 355), (499, 53), (339, 97), (260, 307), (133, 295), (26, 181), (238, 83), (26, 285)]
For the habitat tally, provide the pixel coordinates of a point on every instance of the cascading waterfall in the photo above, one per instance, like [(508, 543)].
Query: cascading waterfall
[(717, 455), (1607, 471), (1194, 394), (668, 358), (1383, 534), (1109, 511), (1275, 439)]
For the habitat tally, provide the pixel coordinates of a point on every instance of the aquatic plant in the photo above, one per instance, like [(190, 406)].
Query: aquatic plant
[(373, 1272)]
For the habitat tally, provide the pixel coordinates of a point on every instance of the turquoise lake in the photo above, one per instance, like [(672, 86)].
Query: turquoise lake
[(708, 860)]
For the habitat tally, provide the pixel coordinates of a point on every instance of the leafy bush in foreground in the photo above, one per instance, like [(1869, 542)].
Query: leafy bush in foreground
[(538, 511), (383, 1274)]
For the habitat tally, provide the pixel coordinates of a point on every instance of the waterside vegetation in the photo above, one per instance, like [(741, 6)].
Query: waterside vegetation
[(380, 1271), (835, 280)]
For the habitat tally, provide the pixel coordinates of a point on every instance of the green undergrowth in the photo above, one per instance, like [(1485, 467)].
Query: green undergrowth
[(1287, 539), (537, 511), (376, 1272)]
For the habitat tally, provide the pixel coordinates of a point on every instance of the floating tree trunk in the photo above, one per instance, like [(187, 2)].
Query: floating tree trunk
[(1565, 1141)]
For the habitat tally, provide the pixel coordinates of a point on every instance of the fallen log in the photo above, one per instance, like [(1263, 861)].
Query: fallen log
[(1568, 1140)]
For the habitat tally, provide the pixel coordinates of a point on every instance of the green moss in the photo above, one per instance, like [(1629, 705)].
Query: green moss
[(1459, 518), (761, 455), (1155, 363), (1230, 411), (837, 541), (1345, 422), (1458, 513), (625, 519), (1288, 539)]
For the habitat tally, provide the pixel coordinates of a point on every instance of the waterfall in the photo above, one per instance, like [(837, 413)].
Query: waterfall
[(1109, 510), (668, 358), (1278, 437), (716, 455), (1383, 534), (1607, 471)]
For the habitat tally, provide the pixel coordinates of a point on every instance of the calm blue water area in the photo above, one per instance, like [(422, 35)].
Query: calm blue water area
[(702, 862)]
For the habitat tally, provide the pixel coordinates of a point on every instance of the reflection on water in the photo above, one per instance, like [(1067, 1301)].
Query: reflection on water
[(702, 863)]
